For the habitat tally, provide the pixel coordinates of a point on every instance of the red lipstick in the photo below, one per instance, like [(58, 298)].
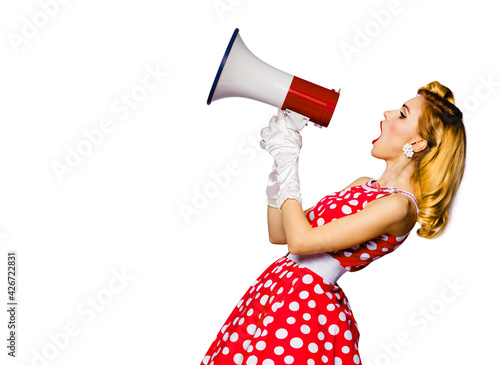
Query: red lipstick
[(376, 139)]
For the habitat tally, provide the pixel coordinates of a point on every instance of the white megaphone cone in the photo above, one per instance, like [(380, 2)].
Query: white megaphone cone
[(242, 74)]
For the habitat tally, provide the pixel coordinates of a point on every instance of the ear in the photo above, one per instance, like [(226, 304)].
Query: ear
[(419, 145)]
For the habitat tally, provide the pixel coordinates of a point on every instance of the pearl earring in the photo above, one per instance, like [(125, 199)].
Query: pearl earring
[(408, 150)]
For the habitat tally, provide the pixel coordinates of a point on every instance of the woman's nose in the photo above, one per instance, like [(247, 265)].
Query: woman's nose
[(386, 115)]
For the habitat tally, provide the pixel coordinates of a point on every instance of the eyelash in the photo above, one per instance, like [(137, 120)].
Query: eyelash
[(402, 115)]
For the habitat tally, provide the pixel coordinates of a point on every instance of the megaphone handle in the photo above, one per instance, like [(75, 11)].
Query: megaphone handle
[(298, 120)]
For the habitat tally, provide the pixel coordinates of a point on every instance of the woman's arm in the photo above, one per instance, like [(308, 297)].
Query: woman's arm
[(393, 214), (275, 225), (275, 222)]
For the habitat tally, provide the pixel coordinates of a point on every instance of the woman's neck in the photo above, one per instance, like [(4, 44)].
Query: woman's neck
[(398, 173)]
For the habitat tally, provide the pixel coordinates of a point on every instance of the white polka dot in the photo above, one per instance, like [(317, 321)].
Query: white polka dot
[(328, 346), (294, 306), (289, 359), (355, 196), (346, 209), (290, 320), (268, 362), (333, 206), (356, 359), (241, 321), (384, 237), (312, 304), (342, 316), (346, 349), (234, 337), (371, 245), (322, 319), (252, 360), (310, 362), (296, 343), (333, 329), (324, 359), (261, 345), (330, 307), (224, 328), (251, 329), (338, 361), (305, 329), (268, 283), (348, 335), (364, 256), (257, 333), (279, 350), (321, 221), (321, 336), (307, 279), (277, 305), (225, 350), (353, 202), (246, 344), (304, 294), (238, 359), (385, 249), (318, 289), (347, 254), (225, 337), (311, 215), (205, 359), (268, 320), (313, 347), (281, 333), (306, 316)]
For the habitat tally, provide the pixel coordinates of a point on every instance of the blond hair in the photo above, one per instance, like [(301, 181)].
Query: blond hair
[(441, 165)]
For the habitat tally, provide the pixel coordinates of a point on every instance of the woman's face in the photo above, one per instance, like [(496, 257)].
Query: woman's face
[(398, 128)]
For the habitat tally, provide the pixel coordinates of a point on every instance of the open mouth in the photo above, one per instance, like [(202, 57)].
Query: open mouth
[(376, 139)]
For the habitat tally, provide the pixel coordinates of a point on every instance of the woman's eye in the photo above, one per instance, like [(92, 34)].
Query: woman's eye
[(402, 115)]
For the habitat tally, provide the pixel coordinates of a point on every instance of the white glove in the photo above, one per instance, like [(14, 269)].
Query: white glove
[(283, 142), (273, 188)]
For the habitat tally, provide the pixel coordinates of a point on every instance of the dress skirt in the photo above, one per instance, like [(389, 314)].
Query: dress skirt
[(290, 315)]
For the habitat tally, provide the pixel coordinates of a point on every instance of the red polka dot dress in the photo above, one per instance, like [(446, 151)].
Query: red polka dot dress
[(295, 313)]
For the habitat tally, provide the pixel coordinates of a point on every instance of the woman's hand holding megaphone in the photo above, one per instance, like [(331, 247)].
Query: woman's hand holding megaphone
[(283, 142)]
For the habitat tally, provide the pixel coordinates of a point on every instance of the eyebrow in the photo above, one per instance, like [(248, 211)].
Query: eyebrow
[(406, 106)]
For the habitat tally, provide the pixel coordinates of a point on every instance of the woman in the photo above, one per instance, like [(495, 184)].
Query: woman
[(295, 313)]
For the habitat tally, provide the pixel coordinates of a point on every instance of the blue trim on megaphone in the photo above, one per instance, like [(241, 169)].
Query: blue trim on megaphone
[(223, 62)]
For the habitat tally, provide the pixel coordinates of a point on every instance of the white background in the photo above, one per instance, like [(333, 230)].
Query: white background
[(119, 209)]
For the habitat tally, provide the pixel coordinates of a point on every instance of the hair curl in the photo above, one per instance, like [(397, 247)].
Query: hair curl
[(441, 165)]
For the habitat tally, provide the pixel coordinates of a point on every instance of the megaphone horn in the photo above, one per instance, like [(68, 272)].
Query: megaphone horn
[(242, 74)]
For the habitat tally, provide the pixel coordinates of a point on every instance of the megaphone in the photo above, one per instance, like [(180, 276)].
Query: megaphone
[(242, 74)]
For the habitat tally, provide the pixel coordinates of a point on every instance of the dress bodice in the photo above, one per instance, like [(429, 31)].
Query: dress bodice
[(343, 203)]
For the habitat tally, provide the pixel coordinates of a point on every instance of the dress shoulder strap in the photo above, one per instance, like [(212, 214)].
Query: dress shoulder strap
[(374, 186), (411, 196)]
